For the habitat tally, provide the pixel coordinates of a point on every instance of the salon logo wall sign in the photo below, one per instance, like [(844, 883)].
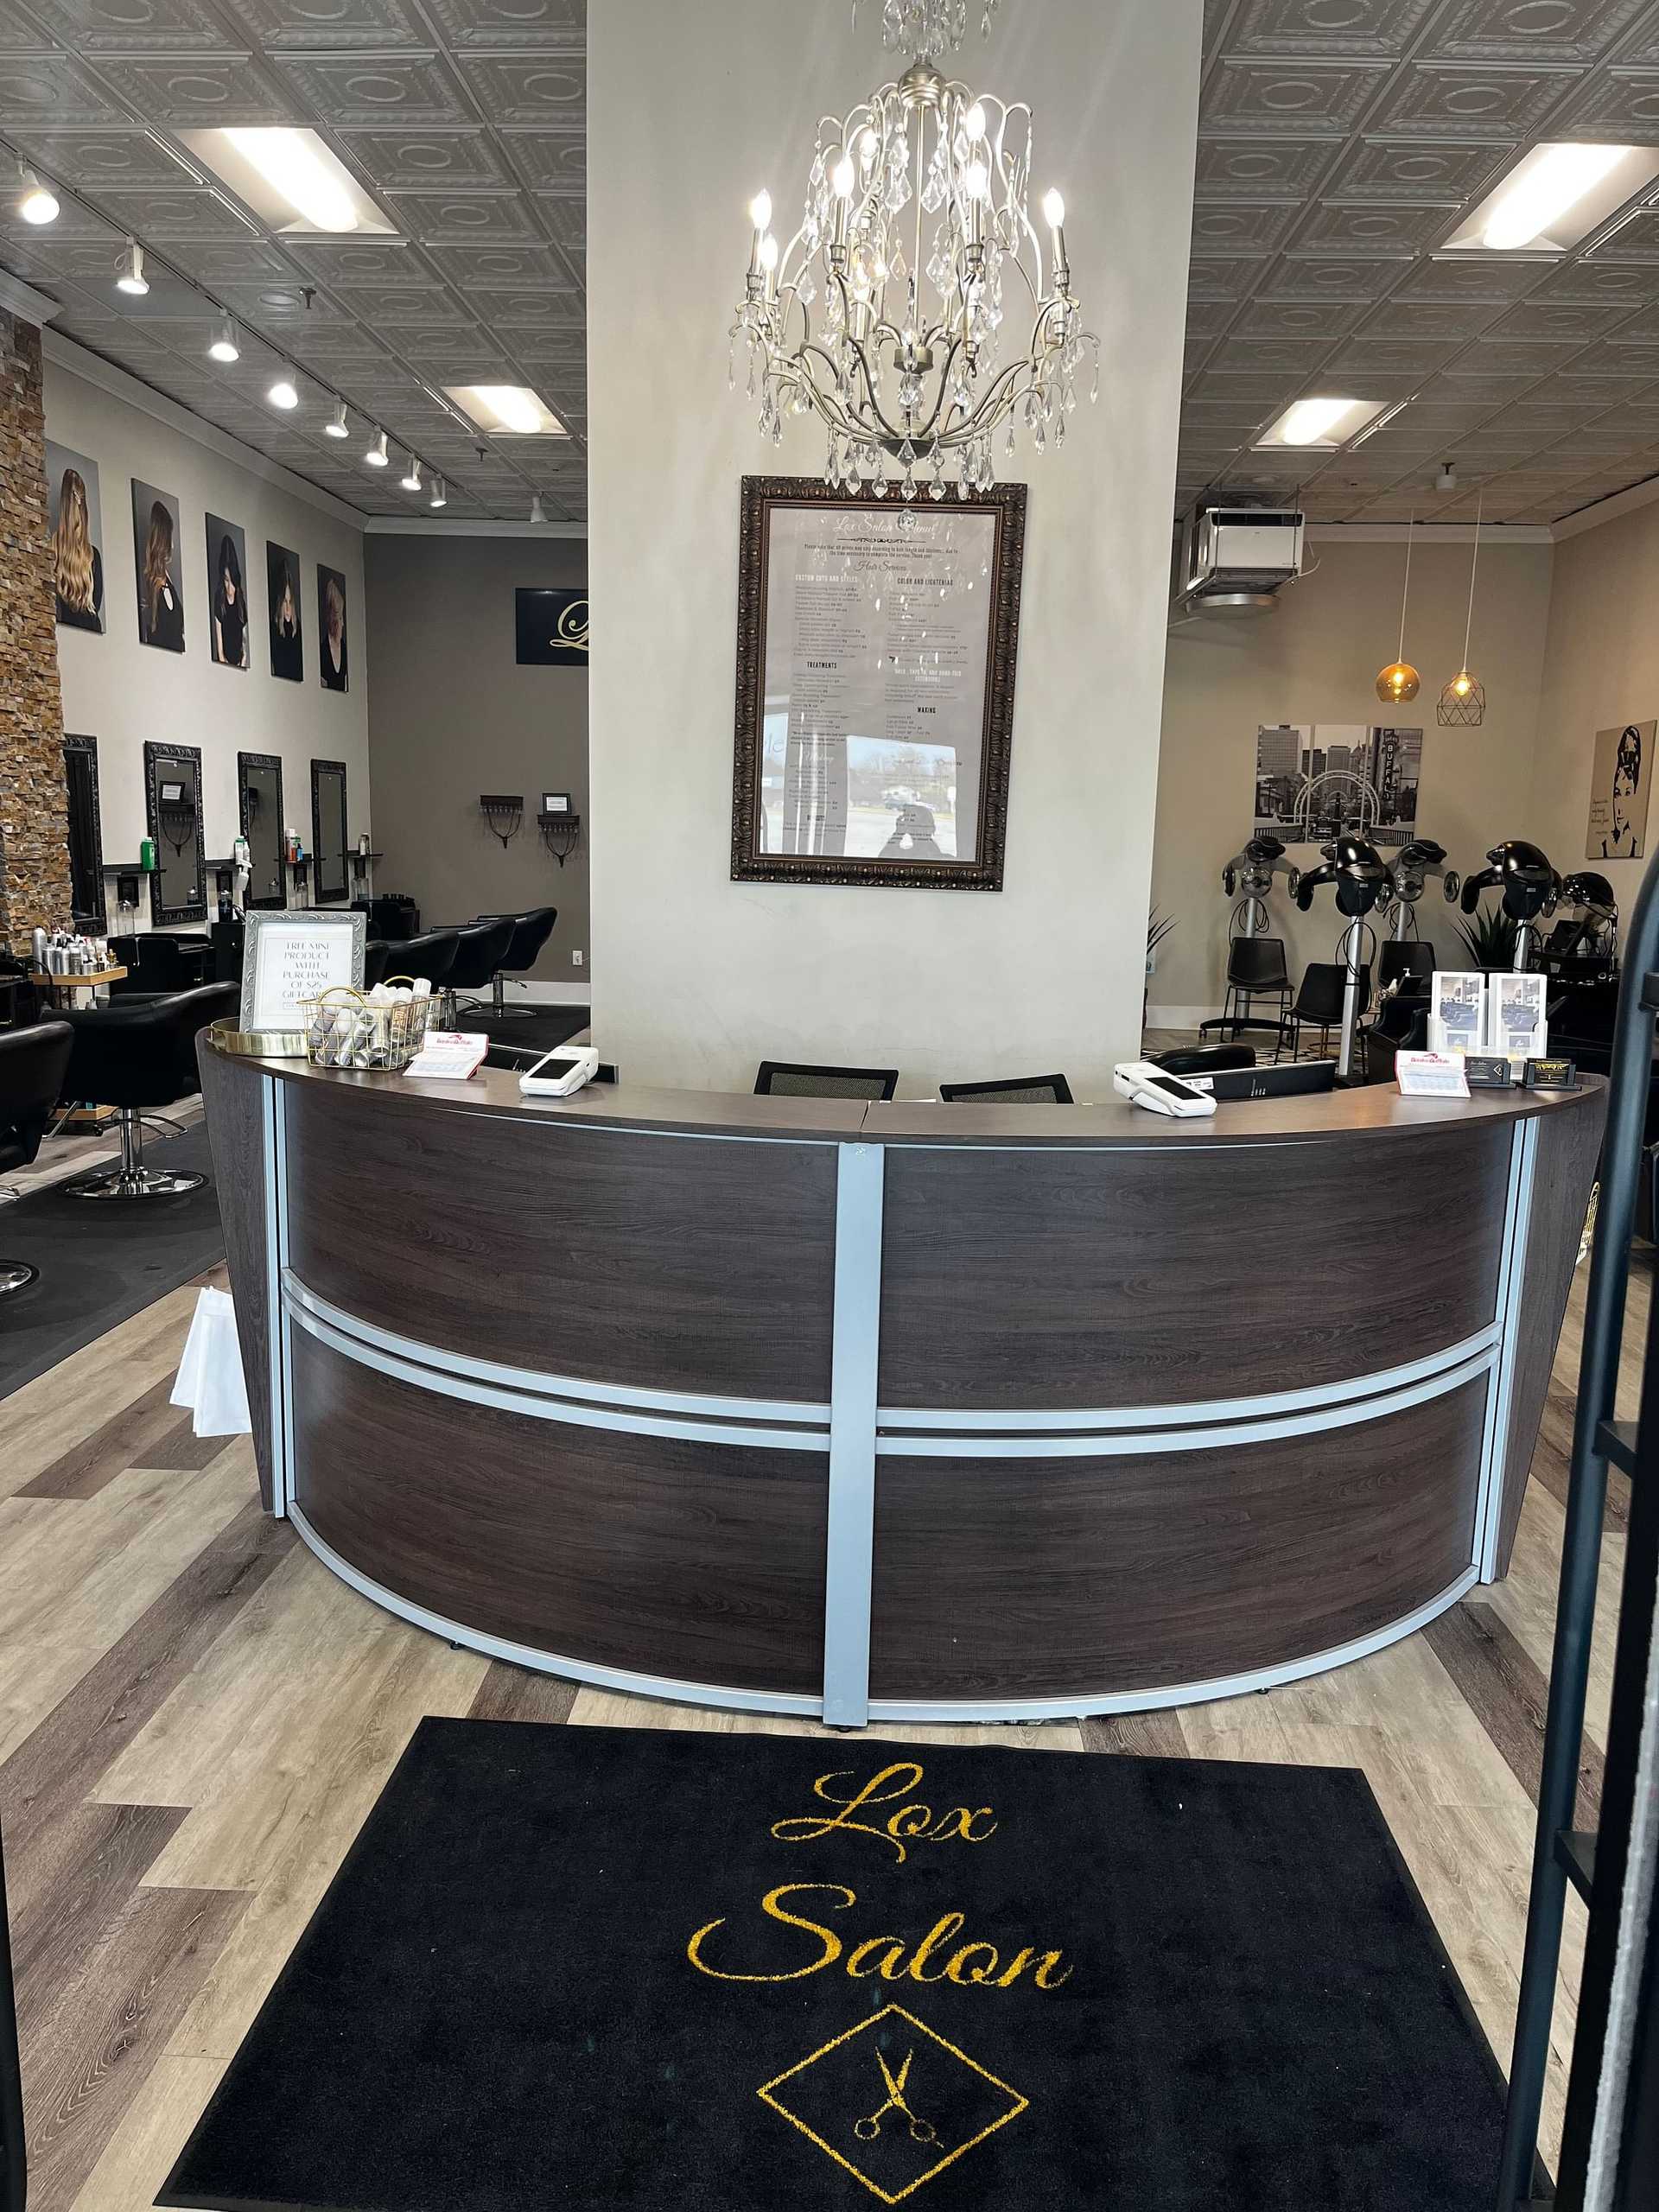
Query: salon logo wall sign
[(552, 628), (889, 2099)]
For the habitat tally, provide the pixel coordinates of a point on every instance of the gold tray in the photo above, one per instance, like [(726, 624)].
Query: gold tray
[(258, 1043)]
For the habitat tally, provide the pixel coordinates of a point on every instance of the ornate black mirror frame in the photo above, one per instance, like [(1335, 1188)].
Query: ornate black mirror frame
[(156, 758), (323, 892), (96, 910), (267, 900)]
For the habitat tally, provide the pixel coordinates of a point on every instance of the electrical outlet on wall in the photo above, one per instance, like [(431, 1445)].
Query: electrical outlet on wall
[(577, 957)]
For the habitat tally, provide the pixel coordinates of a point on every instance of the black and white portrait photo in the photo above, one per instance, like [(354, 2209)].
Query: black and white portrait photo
[(158, 558), (227, 592), (75, 531), (287, 638), (331, 630), (1619, 782)]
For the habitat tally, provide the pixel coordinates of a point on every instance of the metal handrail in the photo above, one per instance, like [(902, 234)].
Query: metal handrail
[(1575, 1613)]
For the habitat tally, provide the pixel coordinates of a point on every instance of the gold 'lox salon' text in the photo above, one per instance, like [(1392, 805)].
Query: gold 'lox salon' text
[(939, 1956)]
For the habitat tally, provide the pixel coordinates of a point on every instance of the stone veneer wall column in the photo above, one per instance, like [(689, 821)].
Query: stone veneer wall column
[(34, 847)]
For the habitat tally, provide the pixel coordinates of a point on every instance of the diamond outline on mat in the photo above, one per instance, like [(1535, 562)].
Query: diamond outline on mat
[(889, 2012)]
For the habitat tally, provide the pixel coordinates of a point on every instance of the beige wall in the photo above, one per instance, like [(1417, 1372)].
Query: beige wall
[(453, 714), (1316, 659), (1602, 671), (123, 692), (697, 978)]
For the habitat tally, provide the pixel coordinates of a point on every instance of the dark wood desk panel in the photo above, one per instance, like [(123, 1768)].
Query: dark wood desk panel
[(700, 1562), (1033, 1578), (619, 1257), (1058, 1280)]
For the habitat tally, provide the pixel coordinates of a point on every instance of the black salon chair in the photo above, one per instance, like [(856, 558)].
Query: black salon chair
[(1013, 1090), (1255, 968), (159, 964), (1318, 1002), (431, 955), (1205, 1059), (477, 953), (140, 1058), (1397, 959), (530, 931), (31, 1062), (377, 960), (1401, 1025), (796, 1079)]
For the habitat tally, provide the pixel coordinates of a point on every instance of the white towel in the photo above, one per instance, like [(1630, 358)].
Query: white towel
[(210, 1379)]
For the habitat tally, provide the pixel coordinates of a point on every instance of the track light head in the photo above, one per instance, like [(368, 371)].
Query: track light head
[(337, 426), (225, 347), (377, 456), (440, 497), (36, 202), (130, 276)]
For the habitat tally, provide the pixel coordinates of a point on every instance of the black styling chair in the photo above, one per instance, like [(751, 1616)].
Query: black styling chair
[(160, 964), (1397, 958), (1318, 1002), (477, 953), (1014, 1091), (431, 955), (141, 1059), (530, 931), (31, 1062), (795, 1079), (377, 960), (1205, 1059)]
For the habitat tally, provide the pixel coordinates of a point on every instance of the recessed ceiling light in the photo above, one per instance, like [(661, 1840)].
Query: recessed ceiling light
[(507, 409), (225, 347), (440, 497), (36, 202), (337, 426), (1322, 423), (410, 478), (133, 278), (1557, 195), (377, 456), (291, 179), (284, 393)]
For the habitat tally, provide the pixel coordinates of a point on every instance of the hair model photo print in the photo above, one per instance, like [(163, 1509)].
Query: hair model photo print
[(227, 592), (75, 532), (156, 557), (331, 630), (287, 637)]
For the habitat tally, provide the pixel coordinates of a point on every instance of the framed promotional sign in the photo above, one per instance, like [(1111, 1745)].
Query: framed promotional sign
[(289, 958), (876, 643)]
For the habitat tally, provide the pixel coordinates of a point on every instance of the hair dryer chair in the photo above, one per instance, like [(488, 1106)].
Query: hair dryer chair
[(1251, 872), (1531, 887), (1356, 871), (1414, 864)]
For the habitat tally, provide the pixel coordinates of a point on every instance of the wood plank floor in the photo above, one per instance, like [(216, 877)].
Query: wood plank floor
[(195, 1717)]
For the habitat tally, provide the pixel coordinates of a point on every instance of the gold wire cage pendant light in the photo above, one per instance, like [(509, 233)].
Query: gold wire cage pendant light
[(1463, 702), (1400, 681)]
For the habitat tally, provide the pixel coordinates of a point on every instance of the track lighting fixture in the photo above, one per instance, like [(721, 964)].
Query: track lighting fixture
[(377, 456), (537, 513), (284, 393), (337, 426), (131, 277), (440, 497), (410, 479), (36, 202), (225, 347)]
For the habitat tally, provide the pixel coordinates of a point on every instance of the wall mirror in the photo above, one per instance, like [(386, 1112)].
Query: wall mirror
[(178, 889), (259, 809), (328, 829), (85, 834)]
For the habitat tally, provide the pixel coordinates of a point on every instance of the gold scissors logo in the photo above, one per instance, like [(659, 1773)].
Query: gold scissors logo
[(921, 2130)]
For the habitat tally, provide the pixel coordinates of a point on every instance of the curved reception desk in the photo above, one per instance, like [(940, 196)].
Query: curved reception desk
[(900, 1412)]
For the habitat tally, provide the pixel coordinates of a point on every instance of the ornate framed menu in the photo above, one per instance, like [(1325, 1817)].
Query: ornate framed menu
[(876, 642)]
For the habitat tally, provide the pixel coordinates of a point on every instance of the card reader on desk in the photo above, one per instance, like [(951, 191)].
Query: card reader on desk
[(1143, 1084)]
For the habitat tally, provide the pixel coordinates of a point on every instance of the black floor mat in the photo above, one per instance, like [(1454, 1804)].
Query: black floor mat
[(604, 1969), (102, 1261)]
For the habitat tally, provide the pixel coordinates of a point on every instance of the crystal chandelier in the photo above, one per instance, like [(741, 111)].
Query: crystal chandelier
[(928, 27), (885, 312)]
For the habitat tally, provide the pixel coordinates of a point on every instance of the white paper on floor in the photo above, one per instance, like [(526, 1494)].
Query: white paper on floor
[(210, 1374)]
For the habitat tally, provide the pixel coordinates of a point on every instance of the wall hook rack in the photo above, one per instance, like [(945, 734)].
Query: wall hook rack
[(505, 814), (560, 828)]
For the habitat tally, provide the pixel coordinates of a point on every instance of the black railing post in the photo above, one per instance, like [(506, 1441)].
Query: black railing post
[(1575, 1611)]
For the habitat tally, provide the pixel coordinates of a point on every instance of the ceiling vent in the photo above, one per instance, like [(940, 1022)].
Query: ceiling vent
[(1234, 561)]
